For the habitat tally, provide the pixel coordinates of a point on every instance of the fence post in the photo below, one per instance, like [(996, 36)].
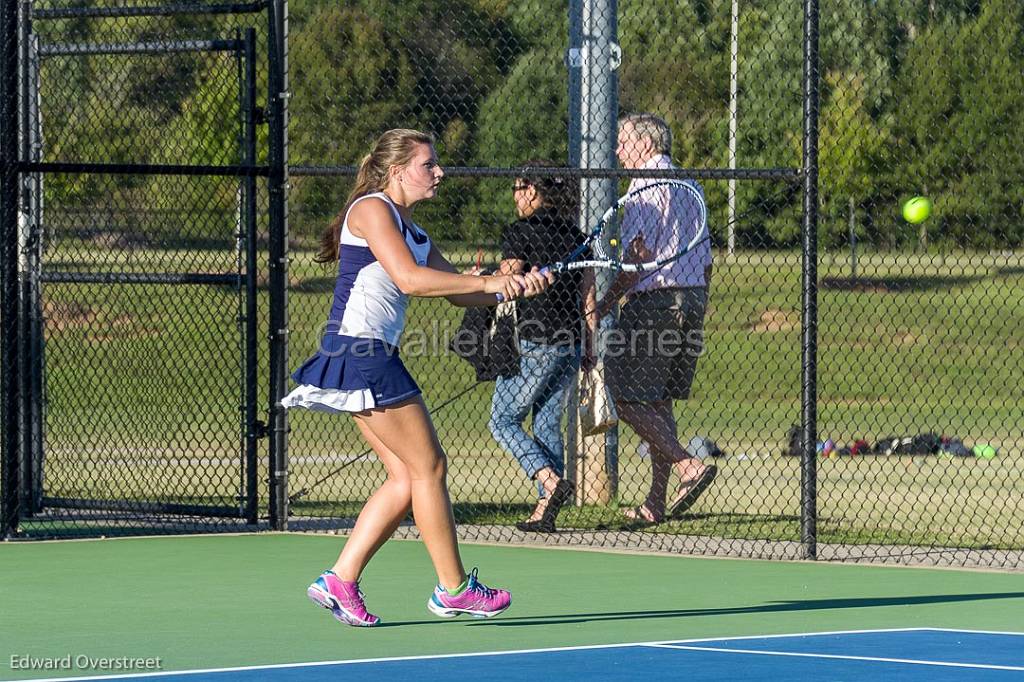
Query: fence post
[(809, 344), (734, 70), (10, 370), (593, 60), (277, 117), (247, 232), (34, 399), (853, 238)]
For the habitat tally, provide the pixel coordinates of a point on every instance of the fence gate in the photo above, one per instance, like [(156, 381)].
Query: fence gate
[(138, 231)]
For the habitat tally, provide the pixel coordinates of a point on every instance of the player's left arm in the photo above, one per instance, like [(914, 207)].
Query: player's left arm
[(436, 260)]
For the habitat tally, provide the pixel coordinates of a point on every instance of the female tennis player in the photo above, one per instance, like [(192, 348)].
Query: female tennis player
[(383, 259)]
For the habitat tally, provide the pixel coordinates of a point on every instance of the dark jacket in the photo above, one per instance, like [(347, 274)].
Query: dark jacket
[(542, 239), (491, 348)]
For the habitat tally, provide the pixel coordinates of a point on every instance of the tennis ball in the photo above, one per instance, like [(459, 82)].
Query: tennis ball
[(984, 451), (614, 242), (917, 210)]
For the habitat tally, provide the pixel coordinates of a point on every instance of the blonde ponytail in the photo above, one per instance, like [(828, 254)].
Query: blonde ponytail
[(394, 148)]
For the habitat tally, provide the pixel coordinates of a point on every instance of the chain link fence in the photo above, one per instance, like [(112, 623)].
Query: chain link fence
[(138, 233), (894, 346)]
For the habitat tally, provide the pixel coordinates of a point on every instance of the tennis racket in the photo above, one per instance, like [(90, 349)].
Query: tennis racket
[(643, 210)]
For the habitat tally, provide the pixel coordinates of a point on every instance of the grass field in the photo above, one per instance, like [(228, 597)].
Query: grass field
[(143, 394)]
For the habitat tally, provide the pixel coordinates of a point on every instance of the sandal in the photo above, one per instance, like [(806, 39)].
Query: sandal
[(695, 489), (642, 515), (546, 523)]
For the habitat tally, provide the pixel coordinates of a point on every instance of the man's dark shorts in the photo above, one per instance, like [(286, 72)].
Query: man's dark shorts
[(653, 354)]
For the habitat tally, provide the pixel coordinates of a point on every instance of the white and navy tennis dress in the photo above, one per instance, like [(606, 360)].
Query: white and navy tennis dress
[(357, 367)]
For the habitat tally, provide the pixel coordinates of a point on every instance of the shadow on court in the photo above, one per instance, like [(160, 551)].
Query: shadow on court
[(730, 518), (777, 607)]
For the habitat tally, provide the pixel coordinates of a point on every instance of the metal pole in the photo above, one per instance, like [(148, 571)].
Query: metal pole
[(594, 58), (30, 223), (37, 352), (249, 236), (853, 238), (24, 285), (192, 9), (160, 47), (809, 397), (10, 370), (573, 62), (277, 118), (788, 174), (573, 441), (734, 59)]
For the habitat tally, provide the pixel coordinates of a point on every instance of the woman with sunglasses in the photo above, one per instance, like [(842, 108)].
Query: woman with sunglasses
[(550, 334)]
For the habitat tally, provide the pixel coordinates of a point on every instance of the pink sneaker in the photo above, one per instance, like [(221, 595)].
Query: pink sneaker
[(343, 598), (477, 600)]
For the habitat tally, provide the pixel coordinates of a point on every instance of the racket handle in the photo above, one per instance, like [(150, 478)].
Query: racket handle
[(544, 270)]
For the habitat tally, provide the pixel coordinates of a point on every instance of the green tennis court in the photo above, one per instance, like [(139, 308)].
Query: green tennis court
[(213, 602), (170, 167)]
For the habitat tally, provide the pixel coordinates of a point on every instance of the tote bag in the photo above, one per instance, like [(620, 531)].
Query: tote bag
[(597, 411)]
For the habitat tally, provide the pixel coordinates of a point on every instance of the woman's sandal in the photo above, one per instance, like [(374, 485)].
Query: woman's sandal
[(641, 515), (546, 523)]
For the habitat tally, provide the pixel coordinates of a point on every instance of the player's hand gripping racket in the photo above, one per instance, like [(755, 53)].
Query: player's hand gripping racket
[(645, 210)]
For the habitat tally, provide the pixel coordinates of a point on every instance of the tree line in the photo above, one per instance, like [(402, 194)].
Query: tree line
[(917, 97)]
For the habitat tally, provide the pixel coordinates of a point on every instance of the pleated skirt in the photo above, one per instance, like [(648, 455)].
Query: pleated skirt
[(351, 374)]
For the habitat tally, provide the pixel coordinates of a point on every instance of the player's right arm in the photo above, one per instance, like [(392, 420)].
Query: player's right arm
[(372, 220)]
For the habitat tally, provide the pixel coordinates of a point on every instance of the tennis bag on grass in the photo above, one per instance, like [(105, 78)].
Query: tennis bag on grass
[(921, 444)]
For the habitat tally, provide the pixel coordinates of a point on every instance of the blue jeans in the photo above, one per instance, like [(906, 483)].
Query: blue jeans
[(540, 386)]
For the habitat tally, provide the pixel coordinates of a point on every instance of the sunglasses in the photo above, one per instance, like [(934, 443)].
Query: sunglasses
[(520, 188)]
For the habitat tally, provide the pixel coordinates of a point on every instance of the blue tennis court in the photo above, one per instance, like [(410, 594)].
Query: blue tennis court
[(901, 654)]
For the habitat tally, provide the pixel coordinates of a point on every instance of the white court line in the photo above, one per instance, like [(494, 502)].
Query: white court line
[(976, 632), (423, 657), (876, 659)]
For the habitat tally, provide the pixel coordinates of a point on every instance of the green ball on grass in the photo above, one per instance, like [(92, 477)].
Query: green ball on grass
[(984, 451)]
